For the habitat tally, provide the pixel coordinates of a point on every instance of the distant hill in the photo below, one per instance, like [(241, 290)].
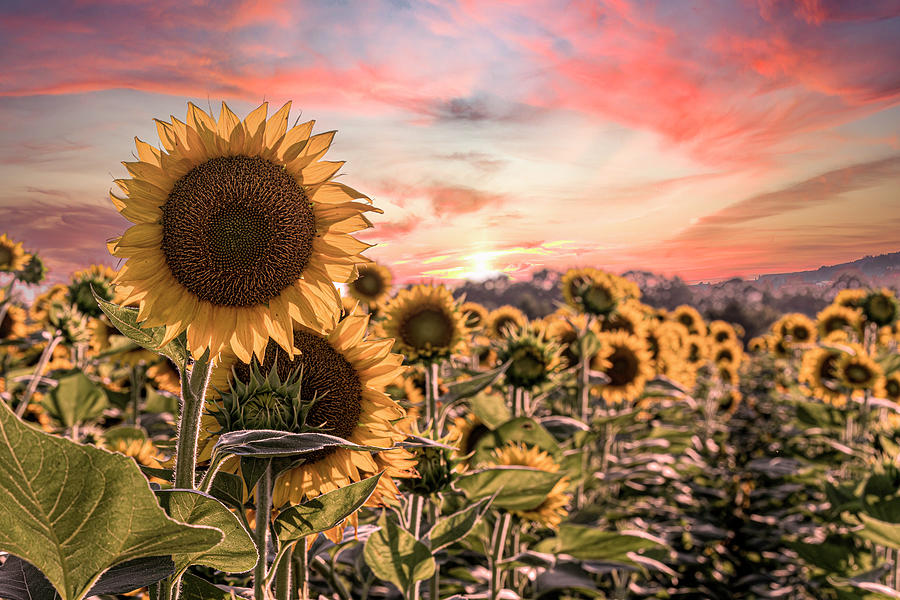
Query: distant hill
[(876, 270)]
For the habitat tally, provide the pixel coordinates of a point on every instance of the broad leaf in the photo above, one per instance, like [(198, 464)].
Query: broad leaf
[(324, 512), (125, 320), (20, 580), (490, 409), (589, 543), (456, 526), (522, 430), (470, 387), (228, 488), (235, 554), (267, 443), (74, 511), (395, 555), (75, 400), (196, 588), (517, 488)]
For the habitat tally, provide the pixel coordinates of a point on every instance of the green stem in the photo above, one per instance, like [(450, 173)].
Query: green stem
[(38, 373), (434, 585), (301, 559), (431, 395), (498, 543), (584, 400), (137, 385), (415, 526), (283, 575), (322, 569), (193, 394), (261, 532)]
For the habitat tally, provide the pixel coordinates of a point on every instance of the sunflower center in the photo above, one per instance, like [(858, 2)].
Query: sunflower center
[(835, 323), (892, 387), (368, 284), (473, 319), (427, 327), (623, 367), (598, 300), (880, 310), (801, 334), (6, 255), (724, 355), (237, 230), (6, 326), (828, 368), (857, 374), (504, 323)]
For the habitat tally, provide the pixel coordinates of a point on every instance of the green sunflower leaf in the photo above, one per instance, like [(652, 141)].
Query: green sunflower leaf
[(235, 554), (126, 321), (395, 555), (271, 443), (490, 409), (323, 512), (589, 543), (197, 588), (74, 511), (75, 400), (516, 488), (470, 387), (456, 526)]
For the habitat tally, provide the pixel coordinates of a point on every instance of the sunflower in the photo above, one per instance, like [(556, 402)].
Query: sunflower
[(627, 363), (373, 285), (757, 345), (564, 329), (101, 330), (239, 231), (722, 332), (591, 291), (690, 318), (13, 326), (818, 370), (836, 318), (880, 307), (343, 375), (40, 308), (465, 433), (98, 277), (505, 318), (698, 350), (552, 510), (667, 343), (165, 377), (858, 371), (405, 391), (627, 317), (795, 328), (426, 323), (729, 354), (889, 387), (852, 298), (12, 256), (476, 315), (532, 358)]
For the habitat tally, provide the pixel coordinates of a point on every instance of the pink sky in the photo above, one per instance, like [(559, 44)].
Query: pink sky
[(708, 140)]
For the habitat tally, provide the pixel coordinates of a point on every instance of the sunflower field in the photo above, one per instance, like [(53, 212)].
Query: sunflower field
[(217, 419)]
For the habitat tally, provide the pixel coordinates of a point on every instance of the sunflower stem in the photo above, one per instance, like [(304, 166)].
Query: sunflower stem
[(431, 395), (138, 378), (261, 532), (584, 399), (434, 585), (301, 560), (193, 394), (415, 526), (36, 377), (498, 543), (283, 575)]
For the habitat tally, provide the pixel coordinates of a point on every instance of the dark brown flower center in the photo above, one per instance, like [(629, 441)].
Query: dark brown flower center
[(237, 230), (624, 367), (427, 327), (368, 284)]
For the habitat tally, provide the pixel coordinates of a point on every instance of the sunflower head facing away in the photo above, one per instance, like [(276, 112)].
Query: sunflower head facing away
[(12, 256), (239, 230), (373, 285), (552, 510), (426, 322), (880, 307), (98, 277), (591, 291), (330, 382)]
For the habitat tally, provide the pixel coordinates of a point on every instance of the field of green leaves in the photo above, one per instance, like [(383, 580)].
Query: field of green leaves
[(217, 419)]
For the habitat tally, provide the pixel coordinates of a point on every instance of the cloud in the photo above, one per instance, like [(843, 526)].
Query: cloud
[(456, 200)]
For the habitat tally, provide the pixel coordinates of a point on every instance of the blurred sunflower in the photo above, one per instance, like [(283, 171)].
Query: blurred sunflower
[(504, 318), (852, 298), (757, 345), (690, 318), (99, 277), (796, 328), (729, 354), (627, 363), (465, 432), (475, 314), (165, 377), (880, 307), (373, 286), (239, 231), (818, 370), (626, 317), (12, 256), (564, 329), (552, 510), (838, 319), (889, 387), (698, 350), (858, 371), (591, 291), (722, 332), (13, 326), (342, 375), (40, 308), (426, 323), (533, 359)]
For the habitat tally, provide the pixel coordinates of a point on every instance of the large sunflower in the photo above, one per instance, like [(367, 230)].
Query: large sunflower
[(238, 230), (426, 322), (343, 375), (12, 256), (373, 285), (552, 510), (628, 365), (627, 317)]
